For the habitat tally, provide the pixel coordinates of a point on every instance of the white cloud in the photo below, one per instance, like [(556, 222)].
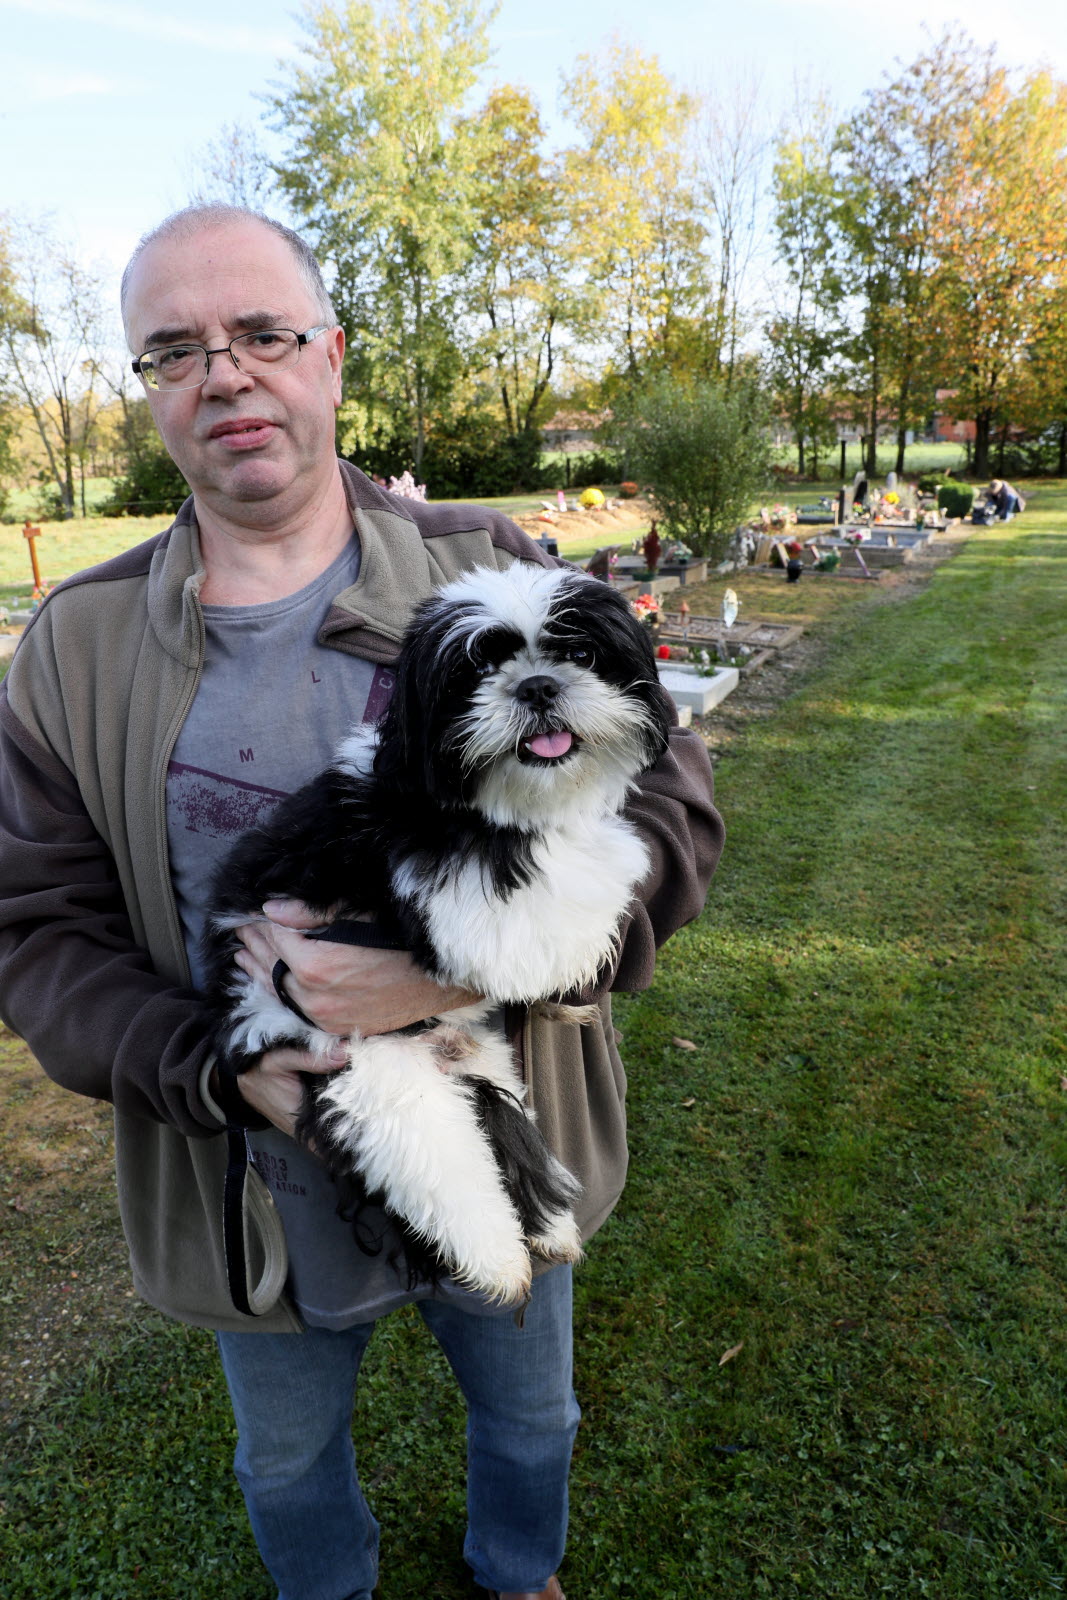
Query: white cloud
[(1029, 33), (214, 36), (38, 83)]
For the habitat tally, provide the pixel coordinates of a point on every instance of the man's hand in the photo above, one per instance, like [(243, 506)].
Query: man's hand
[(344, 989), (273, 1087)]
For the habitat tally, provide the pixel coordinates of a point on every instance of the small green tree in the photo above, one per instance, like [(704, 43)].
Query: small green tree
[(703, 449), (151, 484)]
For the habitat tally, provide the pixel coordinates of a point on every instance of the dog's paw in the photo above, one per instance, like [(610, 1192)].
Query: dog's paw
[(505, 1282), (560, 1241)]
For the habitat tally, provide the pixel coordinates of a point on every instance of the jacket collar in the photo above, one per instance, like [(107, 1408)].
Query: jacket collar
[(366, 619)]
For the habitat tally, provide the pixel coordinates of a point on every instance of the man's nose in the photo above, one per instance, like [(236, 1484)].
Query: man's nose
[(224, 377), (538, 692)]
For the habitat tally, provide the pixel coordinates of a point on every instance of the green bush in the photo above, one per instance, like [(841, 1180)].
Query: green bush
[(469, 457), (152, 485), (704, 450), (955, 499), (588, 471)]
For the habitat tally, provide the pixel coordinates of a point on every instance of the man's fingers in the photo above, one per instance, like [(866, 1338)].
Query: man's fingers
[(293, 914)]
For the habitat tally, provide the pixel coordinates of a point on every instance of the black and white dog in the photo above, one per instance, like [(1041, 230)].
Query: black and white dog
[(479, 826)]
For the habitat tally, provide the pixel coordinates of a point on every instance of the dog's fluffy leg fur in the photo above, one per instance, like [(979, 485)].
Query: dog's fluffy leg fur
[(408, 1129), (540, 1186)]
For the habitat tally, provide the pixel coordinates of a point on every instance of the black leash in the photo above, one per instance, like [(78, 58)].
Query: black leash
[(239, 1165)]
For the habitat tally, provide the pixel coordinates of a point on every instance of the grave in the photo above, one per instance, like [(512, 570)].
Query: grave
[(757, 634), (698, 690)]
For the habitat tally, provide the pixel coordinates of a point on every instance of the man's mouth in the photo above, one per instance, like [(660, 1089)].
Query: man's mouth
[(246, 433), (547, 747)]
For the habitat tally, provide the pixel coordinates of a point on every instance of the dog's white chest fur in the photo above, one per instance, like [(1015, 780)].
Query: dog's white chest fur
[(548, 936)]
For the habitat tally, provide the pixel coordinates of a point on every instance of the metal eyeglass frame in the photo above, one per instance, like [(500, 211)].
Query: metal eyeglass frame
[(225, 350)]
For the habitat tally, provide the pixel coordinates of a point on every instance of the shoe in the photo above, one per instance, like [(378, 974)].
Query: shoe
[(551, 1591)]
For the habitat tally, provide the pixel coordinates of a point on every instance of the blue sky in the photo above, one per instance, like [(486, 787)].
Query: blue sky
[(107, 102)]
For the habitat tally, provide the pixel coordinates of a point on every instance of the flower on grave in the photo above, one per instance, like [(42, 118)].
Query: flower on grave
[(892, 498), (590, 499), (406, 487), (781, 516), (38, 594), (646, 608), (628, 491), (663, 652)]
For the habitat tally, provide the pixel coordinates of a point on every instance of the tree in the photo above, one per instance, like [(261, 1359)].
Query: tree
[(234, 169), (53, 346), (1002, 269), (897, 160), (704, 449), (381, 164), (731, 156), (630, 189), (521, 290), (804, 332)]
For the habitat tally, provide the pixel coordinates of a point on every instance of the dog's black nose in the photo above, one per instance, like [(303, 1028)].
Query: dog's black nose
[(538, 691)]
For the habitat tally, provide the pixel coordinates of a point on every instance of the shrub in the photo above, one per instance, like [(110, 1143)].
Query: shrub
[(153, 486), (590, 470), (470, 456), (955, 499), (704, 450)]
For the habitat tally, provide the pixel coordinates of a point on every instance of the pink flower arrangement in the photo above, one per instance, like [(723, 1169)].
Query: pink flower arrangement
[(646, 608)]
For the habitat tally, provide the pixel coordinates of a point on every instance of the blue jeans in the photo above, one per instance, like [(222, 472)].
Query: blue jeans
[(293, 1395)]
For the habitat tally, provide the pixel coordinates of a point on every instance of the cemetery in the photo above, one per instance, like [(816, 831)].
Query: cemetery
[(745, 353)]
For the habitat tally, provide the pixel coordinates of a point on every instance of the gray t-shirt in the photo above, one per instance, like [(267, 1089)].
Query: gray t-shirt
[(270, 710)]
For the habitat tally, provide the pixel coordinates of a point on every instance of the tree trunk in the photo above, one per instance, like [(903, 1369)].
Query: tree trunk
[(800, 452), (983, 424), (902, 444), (1001, 442), (1061, 466)]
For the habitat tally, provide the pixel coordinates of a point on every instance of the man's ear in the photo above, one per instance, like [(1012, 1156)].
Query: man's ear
[(335, 354)]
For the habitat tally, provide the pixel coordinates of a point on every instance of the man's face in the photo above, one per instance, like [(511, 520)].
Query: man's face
[(240, 440)]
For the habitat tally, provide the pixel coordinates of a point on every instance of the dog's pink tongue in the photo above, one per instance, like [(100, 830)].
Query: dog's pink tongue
[(551, 744)]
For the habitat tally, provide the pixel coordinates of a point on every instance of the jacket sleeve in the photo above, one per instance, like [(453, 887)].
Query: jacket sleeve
[(674, 812), (73, 981)]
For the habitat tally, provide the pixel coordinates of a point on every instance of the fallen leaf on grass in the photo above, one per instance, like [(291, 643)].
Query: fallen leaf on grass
[(728, 1355), (1063, 1085), (684, 1044), (687, 1104)]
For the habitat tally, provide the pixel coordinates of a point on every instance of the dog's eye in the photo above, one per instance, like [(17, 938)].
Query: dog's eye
[(483, 668), (580, 655)]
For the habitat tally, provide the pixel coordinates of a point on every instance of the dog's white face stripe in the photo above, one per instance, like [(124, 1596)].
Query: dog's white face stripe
[(542, 609), (523, 604)]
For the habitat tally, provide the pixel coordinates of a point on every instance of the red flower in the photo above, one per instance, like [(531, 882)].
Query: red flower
[(663, 651)]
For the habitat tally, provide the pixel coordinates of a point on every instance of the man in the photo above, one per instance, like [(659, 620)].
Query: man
[(1005, 500), (158, 705)]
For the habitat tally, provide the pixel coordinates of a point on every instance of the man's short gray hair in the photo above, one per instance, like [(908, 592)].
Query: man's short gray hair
[(191, 219)]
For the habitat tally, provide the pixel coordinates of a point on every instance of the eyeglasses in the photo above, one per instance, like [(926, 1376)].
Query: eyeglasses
[(186, 366)]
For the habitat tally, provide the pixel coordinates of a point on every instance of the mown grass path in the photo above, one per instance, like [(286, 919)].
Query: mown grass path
[(856, 1177)]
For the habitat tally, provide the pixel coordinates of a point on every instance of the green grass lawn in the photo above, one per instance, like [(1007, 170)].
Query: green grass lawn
[(855, 1183)]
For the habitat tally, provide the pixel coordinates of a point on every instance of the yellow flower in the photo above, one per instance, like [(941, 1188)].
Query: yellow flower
[(591, 498)]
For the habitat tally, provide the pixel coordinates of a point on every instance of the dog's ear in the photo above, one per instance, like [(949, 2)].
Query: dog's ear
[(628, 659), (413, 731)]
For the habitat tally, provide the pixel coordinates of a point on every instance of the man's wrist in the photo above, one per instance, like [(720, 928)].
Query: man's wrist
[(224, 1090)]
